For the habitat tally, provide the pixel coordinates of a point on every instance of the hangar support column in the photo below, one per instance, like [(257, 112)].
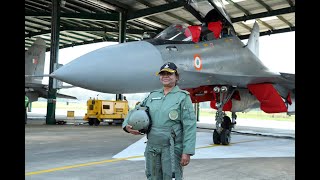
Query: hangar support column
[(197, 110), (54, 52), (122, 36)]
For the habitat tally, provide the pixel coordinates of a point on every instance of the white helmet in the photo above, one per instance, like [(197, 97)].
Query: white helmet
[(139, 119)]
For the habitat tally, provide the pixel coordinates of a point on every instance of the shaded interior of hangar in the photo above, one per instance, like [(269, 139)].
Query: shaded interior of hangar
[(121, 14)]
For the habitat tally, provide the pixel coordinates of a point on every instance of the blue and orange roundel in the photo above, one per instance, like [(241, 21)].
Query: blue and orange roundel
[(197, 62)]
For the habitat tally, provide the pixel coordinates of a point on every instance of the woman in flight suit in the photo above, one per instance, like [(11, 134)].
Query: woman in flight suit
[(172, 136)]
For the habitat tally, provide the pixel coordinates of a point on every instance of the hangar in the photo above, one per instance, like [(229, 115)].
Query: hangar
[(68, 23), (90, 21)]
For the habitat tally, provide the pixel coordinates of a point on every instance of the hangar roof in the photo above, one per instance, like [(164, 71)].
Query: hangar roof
[(91, 21)]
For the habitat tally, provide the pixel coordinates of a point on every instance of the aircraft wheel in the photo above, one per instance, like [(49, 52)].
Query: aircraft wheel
[(96, 122), (226, 124), (216, 137), (225, 137), (91, 122)]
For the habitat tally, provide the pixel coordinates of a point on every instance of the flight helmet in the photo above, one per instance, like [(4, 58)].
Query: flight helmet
[(139, 119)]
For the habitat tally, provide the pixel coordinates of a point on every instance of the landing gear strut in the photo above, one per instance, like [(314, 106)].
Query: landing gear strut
[(222, 133)]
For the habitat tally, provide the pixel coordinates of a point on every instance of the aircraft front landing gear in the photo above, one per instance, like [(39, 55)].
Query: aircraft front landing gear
[(222, 133)]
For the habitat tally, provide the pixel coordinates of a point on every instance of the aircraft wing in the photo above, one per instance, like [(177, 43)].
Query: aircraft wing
[(34, 91)]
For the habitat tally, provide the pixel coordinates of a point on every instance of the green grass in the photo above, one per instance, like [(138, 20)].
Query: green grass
[(203, 112)]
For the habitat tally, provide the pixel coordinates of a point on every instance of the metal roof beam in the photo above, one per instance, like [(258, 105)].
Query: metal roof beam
[(238, 6), (244, 26), (247, 13), (38, 21), (163, 8), (36, 26), (129, 31), (76, 36), (265, 14), (83, 5), (69, 38), (153, 10), (285, 21), (290, 2), (31, 34), (269, 9), (82, 15), (142, 26), (264, 5), (70, 28), (85, 34), (40, 5), (32, 7), (189, 8), (110, 4)]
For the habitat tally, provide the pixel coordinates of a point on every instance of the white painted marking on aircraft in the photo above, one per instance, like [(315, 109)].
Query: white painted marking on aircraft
[(241, 146), (197, 62)]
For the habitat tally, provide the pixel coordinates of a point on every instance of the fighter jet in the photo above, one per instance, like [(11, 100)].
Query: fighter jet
[(213, 63), (34, 72)]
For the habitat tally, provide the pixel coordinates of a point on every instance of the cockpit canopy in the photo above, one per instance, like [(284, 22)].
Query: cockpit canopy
[(175, 32), (195, 33)]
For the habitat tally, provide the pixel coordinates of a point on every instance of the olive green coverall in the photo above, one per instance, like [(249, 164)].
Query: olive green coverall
[(173, 133)]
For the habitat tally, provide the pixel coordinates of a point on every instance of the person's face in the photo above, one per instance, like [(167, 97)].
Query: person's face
[(168, 79)]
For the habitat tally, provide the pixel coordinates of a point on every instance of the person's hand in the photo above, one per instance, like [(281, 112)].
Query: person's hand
[(132, 131), (185, 159)]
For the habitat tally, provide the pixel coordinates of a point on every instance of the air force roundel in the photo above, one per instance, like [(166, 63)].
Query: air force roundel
[(197, 62)]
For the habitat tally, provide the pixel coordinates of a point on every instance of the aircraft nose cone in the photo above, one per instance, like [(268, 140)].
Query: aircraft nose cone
[(121, 68)]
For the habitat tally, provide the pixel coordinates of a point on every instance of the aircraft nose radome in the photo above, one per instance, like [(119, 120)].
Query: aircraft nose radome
[(113, 68)]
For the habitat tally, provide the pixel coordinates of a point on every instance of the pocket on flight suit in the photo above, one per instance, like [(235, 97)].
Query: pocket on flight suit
[(174, 112)]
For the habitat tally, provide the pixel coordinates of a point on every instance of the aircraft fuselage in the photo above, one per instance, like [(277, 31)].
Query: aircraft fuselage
[(131, 67)]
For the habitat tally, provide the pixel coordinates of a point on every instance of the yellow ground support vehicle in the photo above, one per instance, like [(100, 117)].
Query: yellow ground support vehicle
[(105, 110)]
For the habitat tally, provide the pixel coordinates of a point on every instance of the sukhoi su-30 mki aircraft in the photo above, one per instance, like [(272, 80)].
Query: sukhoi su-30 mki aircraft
[(34, 72), (213, 63)]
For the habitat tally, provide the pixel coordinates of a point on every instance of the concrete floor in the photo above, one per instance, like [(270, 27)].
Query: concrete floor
[(83, 152)]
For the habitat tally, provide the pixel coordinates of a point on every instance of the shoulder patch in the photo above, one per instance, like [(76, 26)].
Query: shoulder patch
[(186, 92), (156, 90), (146, 98)]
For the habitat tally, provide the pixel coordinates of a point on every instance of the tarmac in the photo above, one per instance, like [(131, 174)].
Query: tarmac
[(259, 150)]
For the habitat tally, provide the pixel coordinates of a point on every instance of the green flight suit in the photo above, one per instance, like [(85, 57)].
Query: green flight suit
[(173, 133)]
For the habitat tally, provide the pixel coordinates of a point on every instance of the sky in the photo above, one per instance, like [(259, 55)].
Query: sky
[(276, 51)]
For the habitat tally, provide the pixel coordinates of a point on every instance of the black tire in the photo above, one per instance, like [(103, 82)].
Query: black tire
[(216, 137), (91, 122), (226, 124), (225, 137), (96, 122), (118, 121), (110, 123)]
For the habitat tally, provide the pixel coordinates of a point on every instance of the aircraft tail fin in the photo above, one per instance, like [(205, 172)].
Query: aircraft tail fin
[(253, 42), (34, 61)]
